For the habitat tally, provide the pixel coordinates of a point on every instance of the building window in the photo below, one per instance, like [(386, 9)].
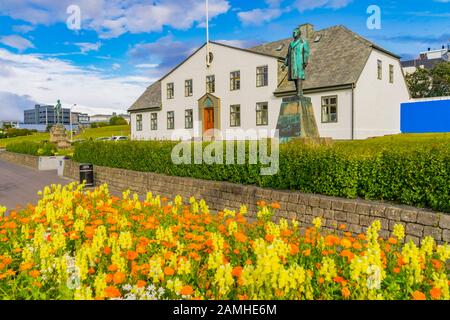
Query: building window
[(170, 90), (170, 120), (210, 84), (329, 109), (391, 73), (139, 122), (154, 121), (189, 119), (262, 114), (262, 76), (235, 80), (188, 88), (235, 115), (380, 69)]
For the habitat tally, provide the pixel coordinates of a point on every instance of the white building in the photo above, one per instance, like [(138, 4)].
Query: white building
[(427, 59), (356, 89)]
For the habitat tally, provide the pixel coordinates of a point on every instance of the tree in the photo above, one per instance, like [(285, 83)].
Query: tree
[(118, 121), (425, 83), (419, 83), (441, 80)]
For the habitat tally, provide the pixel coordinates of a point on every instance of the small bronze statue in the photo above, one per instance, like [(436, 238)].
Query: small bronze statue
[(58, 111), (297, 61)]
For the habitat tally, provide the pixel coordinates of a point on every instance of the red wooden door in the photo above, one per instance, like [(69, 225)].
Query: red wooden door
[(208, 118)]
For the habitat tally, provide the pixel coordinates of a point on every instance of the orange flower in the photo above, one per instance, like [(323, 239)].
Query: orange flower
[(91, 270), (275, 205), (306, 252), (261, 203), (132, 255), (26, 266), (168, 271), (321, 280), (436, 264), (119, 277), (187, 291), (396, 270), (392, 240), (141, 283), (346, 243), (269, 237), (248, 262), (34, 273), (347, 254), (342, 227), (113, 268), (240, 237), (237, 271), (112, 292), (109, 278), (345, 293), (417, 295), (435, 293), (107, 250), (294, 249)]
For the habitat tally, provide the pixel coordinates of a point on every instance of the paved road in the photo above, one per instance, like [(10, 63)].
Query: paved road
[(20, 185)]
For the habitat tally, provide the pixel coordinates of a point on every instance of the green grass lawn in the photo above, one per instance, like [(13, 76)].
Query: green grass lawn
[(104, 132), (38, 137), (86, 134)]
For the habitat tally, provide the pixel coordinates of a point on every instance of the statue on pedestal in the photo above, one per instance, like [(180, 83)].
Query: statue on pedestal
[(58, 131), (297, 118)]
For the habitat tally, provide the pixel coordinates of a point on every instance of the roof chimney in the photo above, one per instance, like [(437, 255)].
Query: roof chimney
[(307, 30)]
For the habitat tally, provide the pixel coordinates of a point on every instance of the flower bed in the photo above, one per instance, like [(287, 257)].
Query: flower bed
[(90, 245)]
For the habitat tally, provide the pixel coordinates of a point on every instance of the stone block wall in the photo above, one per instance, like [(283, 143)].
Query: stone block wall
[(20, 159), (356, 214)]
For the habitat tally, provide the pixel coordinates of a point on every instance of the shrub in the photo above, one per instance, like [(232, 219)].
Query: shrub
[(117, 121), (418, 176), (32, 148)]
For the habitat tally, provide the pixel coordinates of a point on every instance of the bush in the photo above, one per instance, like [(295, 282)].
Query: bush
[(118, 121), (13, 132), (32, 148), (418, 177)]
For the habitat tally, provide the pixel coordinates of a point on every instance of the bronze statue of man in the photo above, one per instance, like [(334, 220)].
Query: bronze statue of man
[(297, 60), (58, 111)]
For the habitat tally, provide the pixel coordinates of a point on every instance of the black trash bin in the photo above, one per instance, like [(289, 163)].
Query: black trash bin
[(87, 174)]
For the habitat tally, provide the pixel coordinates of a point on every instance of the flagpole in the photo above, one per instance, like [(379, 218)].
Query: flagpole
[(207, 34)]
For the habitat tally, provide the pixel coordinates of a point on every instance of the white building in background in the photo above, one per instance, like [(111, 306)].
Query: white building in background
[(356, 89), (427, 59)]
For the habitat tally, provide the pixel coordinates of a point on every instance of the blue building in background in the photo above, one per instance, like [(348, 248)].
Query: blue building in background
[(426, 115), (45, 115)]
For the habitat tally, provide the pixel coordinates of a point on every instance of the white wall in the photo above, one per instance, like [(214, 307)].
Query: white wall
[(377, 102), (341, 130), (225, 61)]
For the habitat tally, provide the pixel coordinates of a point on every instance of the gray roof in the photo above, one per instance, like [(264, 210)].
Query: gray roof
[(337, 59), (151, 99), (426, 63)]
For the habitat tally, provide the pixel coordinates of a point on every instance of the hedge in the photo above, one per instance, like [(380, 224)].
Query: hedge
[(418, 177), (32, 148)]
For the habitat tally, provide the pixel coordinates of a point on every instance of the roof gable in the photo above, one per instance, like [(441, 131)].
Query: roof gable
[(150, 99)]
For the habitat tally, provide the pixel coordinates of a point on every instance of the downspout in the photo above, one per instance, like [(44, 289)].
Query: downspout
[(353, 111)]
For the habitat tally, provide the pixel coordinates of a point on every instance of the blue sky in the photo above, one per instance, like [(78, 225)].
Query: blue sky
[(123, 46)]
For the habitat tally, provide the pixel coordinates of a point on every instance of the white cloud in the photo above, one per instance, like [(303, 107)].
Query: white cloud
[(116, 66), (303, 5), (259, 16), (13, 105), (45, 80), (113, 18), (244, 44), (147, 65), (86, 47), (16, 42), (22, 28)]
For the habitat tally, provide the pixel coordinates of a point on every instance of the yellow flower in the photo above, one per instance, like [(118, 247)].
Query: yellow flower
[(2, 210), (399, 232), (317, 222)]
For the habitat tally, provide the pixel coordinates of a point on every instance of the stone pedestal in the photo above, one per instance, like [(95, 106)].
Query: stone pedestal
[(297, 120), (58, 136)]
